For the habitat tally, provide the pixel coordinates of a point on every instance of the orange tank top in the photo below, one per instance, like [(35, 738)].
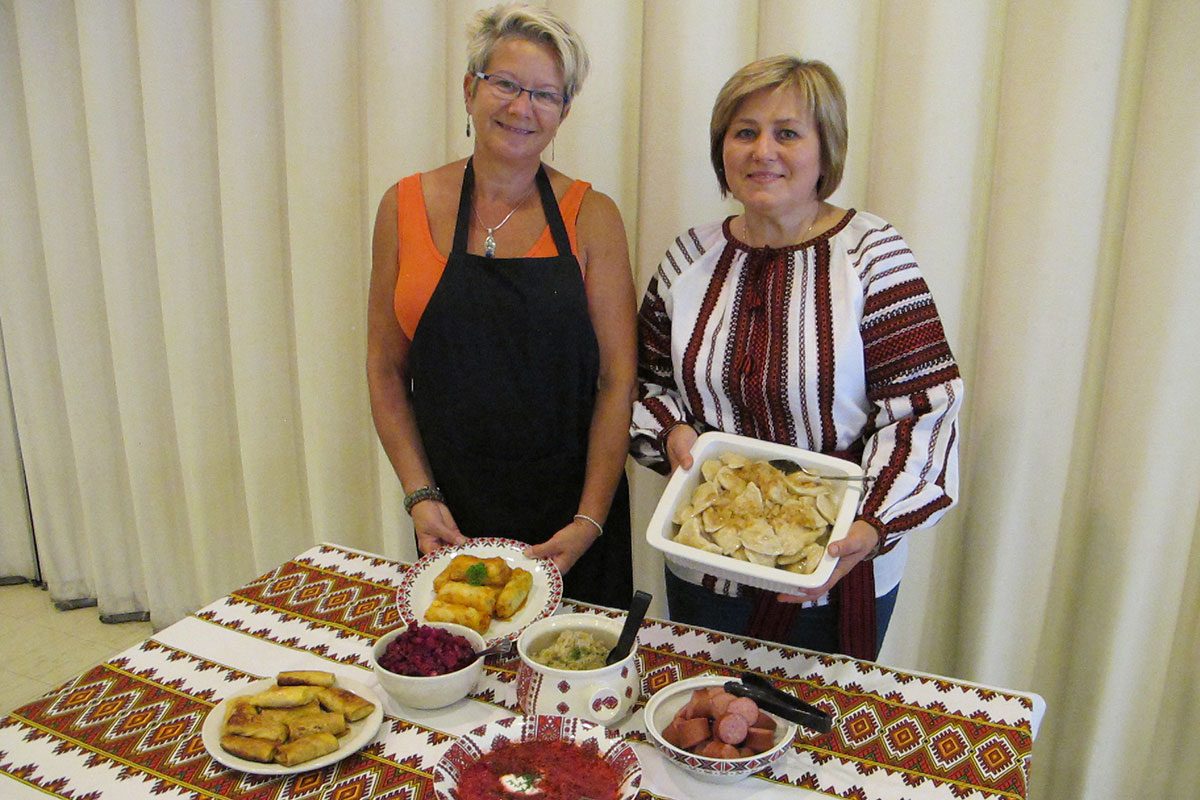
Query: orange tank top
[(421, 264)]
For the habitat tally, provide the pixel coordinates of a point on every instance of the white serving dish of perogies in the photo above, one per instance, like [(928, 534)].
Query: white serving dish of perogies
[(661, 530)]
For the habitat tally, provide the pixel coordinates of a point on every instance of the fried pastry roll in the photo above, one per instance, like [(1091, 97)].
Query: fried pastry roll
[(250, 749), (345, 702), (285, 696), (480, 598), (255, 727), (239, 707), (498, 571), (284, 714), (305, 748), (456, 570), (514, 593), (473, 618), (299, 725), (305, 677)]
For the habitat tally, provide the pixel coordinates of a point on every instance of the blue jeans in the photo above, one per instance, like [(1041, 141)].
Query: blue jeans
[(813, 629)]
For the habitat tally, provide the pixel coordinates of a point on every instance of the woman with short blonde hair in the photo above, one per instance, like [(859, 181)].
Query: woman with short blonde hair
[(501, 346)]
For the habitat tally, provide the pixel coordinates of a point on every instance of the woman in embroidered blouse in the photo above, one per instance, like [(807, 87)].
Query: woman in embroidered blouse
[(806, 324), (501, 325)]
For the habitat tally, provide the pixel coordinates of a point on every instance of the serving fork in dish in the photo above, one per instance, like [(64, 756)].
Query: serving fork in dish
[(789, 467)]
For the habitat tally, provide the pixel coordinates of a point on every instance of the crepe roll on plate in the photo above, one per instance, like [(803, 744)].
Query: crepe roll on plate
[(473, 618), (345, 702), (498, 571), (480, 598), (514, 593), (456, 570), (255, 727), (300, 725), (239, 707), (285, 696), (284, 714), (306, 748), (250, 749), (305, 677)]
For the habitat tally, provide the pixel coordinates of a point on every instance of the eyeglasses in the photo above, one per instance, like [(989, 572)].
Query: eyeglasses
[(511, 90)]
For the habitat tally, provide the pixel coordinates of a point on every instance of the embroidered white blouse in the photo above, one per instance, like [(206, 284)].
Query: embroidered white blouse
[(833, 345)]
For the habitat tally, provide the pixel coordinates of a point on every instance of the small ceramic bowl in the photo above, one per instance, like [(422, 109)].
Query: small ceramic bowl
[(435, 691), (661, 709), (605, 695)]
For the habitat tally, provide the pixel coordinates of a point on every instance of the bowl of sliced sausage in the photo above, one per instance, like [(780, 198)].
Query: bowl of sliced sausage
[(714, 735)]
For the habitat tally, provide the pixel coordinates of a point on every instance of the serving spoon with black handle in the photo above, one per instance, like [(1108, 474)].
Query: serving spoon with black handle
[(633, 621)]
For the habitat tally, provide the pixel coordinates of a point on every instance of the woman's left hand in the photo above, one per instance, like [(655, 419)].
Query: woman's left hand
[(565, 547), (859, 542)]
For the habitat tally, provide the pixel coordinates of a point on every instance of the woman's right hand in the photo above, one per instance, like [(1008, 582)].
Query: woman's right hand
[(679, 446), (435, 526)]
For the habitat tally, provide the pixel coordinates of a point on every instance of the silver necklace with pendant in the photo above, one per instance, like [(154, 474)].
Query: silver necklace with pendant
[(489, 240)]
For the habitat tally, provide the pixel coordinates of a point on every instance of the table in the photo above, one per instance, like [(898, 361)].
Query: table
[(130, 728)]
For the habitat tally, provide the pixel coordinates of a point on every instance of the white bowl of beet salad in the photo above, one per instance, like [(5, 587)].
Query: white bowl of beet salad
[(428, 665)]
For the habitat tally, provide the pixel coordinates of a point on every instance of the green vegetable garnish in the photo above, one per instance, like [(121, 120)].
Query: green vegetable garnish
[(477, 574)]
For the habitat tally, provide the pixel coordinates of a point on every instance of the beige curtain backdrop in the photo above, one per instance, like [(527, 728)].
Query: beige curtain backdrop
[(188, 193)]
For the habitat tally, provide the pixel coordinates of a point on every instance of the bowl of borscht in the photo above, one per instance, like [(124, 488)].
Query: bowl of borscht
[(538, 756)]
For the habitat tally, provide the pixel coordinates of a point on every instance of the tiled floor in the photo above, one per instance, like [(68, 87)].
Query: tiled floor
[(41, 647)]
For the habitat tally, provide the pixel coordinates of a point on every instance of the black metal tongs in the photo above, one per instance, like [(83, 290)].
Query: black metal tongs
[(780, 703)]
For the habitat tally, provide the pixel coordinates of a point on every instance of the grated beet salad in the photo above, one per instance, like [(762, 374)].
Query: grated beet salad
[(423, 651)]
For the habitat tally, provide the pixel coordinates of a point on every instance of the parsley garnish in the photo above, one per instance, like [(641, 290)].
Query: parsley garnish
[(477, 574)]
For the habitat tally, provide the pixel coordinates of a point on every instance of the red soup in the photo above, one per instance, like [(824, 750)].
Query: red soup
[(552, 770)]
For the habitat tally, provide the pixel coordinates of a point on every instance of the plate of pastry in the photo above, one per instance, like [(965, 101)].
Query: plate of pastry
[(487, 584), (296, 722)]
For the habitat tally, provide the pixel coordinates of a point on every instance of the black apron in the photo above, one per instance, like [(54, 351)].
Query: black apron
[(504, 364)]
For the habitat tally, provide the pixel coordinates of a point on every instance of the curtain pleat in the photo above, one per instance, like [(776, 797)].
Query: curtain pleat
[(18, 225), (256, 252), (17, 558), (185, 238), (326, 226)]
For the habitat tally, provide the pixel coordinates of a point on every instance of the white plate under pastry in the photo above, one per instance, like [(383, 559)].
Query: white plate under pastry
[(416, 591), (361, 732)]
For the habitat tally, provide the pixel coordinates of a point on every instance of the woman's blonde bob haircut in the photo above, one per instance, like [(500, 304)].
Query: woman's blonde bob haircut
[(820, 92), (536, 24)]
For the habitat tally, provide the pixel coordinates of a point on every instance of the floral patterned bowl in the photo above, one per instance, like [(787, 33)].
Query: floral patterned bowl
[(605, 695), (472, 746), (663, 706)]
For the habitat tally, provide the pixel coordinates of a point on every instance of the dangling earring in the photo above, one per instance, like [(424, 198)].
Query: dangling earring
[(552, 141), (468, 126)]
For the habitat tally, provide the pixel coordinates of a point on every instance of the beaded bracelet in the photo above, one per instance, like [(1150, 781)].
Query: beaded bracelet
[(424, 493), (586, 518)]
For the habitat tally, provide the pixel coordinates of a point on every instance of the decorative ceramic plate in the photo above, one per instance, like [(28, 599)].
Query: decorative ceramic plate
[(361, 732), (416, 587), (589, 736)]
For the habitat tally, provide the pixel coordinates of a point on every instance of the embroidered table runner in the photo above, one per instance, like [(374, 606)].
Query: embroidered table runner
[(130, 728)]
